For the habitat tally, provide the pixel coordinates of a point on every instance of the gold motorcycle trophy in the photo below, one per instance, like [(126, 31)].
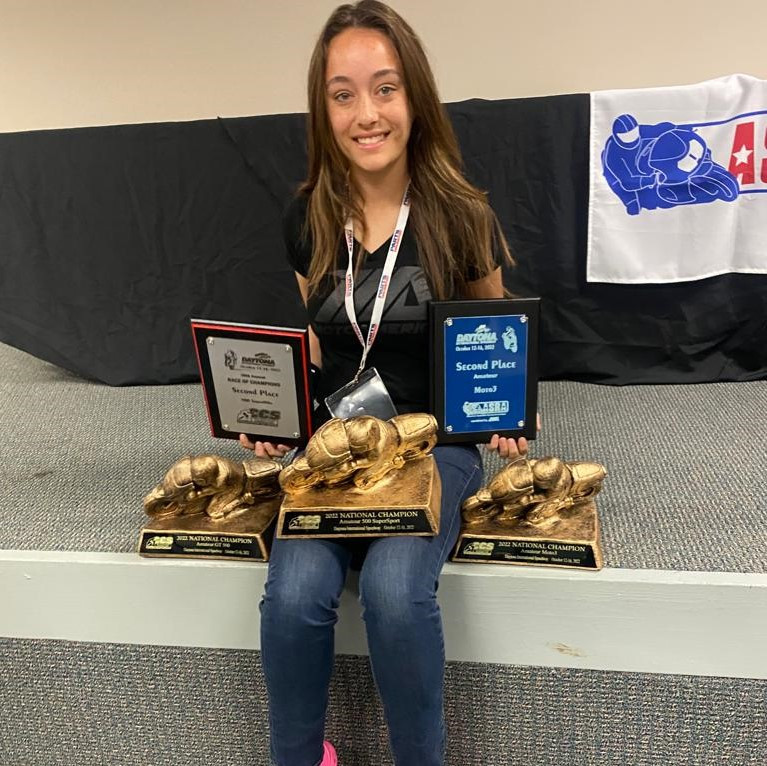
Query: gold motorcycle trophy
[(539, 512), (212, 507), (364, 477)]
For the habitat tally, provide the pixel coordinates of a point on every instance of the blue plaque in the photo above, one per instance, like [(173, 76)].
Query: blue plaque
[(484, 377)]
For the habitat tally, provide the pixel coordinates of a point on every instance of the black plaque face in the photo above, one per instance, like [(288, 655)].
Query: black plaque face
[(484, 379), (515, 551), (361, 523), (255, 380), (190, 545)]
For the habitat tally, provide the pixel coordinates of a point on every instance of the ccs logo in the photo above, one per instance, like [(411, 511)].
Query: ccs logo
[(254, 416), (308, 521), (160, 543), (478, 548)]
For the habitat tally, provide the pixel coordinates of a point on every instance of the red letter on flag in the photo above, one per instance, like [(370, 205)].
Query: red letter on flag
[(764, 161), (742, 155)]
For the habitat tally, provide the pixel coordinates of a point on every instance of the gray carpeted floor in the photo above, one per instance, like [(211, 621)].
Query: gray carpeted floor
[(66, 704), (686, 463)]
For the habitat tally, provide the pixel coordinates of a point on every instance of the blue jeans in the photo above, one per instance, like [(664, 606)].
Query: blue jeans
[(398, 587)]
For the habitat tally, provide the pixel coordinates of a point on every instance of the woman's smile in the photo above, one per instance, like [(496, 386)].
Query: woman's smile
[(371, 141)]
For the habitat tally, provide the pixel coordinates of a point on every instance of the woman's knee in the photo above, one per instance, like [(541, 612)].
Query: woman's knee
[(304, 588), (396, 599), (297, 596)]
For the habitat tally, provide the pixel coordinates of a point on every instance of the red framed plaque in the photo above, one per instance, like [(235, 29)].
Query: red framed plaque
[(255, 380)]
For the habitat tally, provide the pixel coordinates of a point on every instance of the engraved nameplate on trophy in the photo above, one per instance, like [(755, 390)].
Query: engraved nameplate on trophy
[(255, 380), (244, 539), (484, 376)]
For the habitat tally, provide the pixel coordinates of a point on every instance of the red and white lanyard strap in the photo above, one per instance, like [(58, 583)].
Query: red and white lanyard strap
[(383, 285)]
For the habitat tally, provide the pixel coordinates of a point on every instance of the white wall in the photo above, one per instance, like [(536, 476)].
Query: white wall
[(67, 63)]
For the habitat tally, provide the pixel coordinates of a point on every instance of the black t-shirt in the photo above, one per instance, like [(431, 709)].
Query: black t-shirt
[(401, 349)]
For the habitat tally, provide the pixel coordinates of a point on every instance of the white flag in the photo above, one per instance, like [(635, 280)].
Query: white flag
[(678, 182)]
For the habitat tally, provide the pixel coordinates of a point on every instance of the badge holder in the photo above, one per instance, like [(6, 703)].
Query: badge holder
[(365, 395)]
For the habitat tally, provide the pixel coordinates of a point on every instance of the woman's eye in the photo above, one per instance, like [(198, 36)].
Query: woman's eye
[(342, 96), (386, 90)]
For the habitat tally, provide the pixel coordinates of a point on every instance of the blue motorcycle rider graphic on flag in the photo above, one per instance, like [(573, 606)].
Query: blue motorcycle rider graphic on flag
[(662, 166)]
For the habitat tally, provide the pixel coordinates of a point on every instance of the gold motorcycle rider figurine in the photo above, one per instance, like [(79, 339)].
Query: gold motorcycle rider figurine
[(214, 485), (361, 449), (538, 491)]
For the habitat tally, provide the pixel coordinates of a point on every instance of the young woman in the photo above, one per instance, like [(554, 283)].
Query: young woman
[(382, 156)]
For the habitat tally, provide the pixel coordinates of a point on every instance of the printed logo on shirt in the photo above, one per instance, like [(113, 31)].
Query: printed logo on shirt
[(406, 302)]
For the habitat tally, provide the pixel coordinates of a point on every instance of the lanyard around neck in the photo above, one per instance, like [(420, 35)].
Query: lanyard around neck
[(383, 284)]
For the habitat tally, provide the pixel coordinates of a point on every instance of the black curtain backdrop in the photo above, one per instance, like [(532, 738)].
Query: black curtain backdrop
[(113, 237)]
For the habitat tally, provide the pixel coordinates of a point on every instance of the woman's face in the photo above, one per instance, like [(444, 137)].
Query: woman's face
[(367, 103)]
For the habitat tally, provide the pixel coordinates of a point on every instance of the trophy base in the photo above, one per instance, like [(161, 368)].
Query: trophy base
[(571, 541), (406, 502), (245, 536)]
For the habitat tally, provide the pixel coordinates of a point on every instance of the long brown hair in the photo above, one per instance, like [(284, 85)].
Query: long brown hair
[(455, 228)]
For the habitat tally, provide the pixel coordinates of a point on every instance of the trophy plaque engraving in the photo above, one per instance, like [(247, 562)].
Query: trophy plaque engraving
[(364, 477), (255, 380), (212, 507), (484, 377), (535, 511)]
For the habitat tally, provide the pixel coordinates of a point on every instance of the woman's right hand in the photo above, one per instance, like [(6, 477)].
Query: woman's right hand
[(265, 449), (510, 449)]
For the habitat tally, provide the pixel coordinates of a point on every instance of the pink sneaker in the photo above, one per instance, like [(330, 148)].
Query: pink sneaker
[(329, 757)]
